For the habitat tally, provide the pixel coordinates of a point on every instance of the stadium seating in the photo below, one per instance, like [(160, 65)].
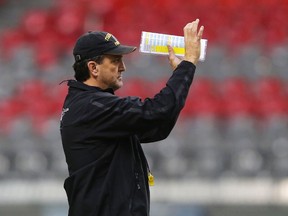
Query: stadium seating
[(235, 118)]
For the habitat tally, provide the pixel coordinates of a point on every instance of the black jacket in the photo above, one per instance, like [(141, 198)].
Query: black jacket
[(101, 135)]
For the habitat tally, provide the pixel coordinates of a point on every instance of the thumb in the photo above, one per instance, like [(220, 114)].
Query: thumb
[(173, 59), (171, 52)]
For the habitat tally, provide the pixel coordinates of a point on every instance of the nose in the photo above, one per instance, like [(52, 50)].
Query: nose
[(122, 66)]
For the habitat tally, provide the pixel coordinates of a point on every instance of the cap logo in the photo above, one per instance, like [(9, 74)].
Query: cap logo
[(108, 36)]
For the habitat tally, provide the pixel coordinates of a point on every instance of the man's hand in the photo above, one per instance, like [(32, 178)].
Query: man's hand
[(192, 38)]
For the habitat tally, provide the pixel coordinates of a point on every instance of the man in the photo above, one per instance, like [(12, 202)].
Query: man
[(101, 133)]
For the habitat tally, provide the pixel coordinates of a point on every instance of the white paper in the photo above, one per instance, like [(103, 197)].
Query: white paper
[(155, 43)]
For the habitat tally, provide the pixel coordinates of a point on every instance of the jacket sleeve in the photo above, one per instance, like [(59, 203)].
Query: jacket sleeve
[(179, 84), (151, 119)]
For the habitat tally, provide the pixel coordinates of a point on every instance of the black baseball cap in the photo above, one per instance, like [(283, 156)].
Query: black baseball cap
[(95, 43)]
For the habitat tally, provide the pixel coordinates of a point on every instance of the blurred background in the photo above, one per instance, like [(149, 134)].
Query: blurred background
[(228, 153)]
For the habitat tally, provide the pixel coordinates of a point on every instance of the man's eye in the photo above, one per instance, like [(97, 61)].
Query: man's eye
[(116, 60)]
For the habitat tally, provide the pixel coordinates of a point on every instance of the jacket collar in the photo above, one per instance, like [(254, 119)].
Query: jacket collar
[(81, 86)]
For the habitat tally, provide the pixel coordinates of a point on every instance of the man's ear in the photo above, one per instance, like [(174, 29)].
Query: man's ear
[(92, 66)]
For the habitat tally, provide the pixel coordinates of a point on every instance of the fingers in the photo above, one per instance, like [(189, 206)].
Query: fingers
[(200, 33), (170, 50), (191, 29), (194, 25), (171, 53)]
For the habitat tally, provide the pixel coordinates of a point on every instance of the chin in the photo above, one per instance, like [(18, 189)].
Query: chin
[(117, 87)]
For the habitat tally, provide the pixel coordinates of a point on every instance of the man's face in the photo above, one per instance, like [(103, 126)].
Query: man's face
[(110, 72)]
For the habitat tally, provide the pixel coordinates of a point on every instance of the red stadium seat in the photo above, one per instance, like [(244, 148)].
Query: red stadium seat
[(276, 106), (11, 39), (57, 96), (235, 86), (9, 110), (98, 7), (35, 24), (41, 109), (202, 86), (271, 98), (47, 50), (69, 25), (203, 99), (235, 106), (30, 90), (37, 103), (205, 105), (33, 95), (269, 87), (237, 97)]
